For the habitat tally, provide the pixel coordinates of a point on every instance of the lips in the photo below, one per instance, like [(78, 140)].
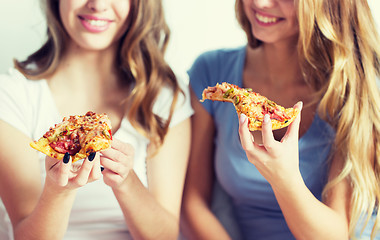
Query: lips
[(94, 24)]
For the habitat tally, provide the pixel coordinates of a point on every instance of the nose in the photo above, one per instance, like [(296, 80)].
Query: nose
[(264, 3), (97, 5)]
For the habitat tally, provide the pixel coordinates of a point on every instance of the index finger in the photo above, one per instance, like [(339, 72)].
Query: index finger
[(246, 140), (122, 146), (61, 171)]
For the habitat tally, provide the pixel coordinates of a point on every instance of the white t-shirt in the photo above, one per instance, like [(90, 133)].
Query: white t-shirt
[(28, 105)]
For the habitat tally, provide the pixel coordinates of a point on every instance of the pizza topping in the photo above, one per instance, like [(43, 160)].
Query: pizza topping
[(67, 141), (107, 134), (274, 112), (73, 131), (237, 99), (229, 91), (65, 144), (271, 103)]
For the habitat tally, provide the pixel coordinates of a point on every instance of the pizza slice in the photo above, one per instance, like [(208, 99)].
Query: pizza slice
[(78, 135), (252, 104)]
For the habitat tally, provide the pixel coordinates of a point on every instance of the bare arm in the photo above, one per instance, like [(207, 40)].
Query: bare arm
[(30, 206), (198, 220), (307, 217), (154, 213)]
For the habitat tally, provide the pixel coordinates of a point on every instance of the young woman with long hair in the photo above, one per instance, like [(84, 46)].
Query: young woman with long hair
[(319, 179), (105, 57)]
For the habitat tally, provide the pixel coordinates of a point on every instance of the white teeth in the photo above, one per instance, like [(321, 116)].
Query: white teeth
[(265, 19), (97, 23)]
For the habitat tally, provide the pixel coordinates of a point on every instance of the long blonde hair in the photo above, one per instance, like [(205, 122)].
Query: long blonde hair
[(140, 61), (339, 55)]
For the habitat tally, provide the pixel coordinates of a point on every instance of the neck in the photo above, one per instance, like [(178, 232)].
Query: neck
[(274, 63), (87, 74), (89, 65)]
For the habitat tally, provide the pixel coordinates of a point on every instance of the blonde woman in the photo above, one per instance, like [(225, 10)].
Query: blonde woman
[(105, 56), (318, 179)]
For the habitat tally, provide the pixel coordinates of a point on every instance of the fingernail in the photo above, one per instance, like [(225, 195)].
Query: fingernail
[(266, 118), (91, 156), (300, 104), (66, 158), (242, 118), (101, 169)]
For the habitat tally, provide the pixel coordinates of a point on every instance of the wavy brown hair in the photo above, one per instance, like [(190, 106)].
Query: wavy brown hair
[(339, 56), (140, 62)]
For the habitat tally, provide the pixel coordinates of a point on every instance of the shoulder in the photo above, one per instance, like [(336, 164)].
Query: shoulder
[(16, 82), (217, 63), (11, 78), (20, 100), (218, 58), (222, 65), (166, 94), (223, 53), (16, 88), (183, 107)]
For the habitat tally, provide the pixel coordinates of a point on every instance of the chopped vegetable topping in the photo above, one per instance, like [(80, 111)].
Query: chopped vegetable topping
[(228, 92), (106, 134), (271, 103)]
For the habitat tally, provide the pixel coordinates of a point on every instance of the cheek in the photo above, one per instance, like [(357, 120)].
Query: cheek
[(290, 11), (63, 11), (247, 11), (291, 15), (294, 24), (66, 12), (122, 9), (246, 5)]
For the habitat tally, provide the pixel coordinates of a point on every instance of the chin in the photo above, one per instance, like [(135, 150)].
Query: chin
[(272, 38), (94, 45), (265, 38)]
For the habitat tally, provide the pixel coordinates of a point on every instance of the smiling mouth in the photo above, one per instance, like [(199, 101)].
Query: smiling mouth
[(95, 22), (266, 19)]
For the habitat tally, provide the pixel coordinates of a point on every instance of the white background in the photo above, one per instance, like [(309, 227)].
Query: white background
[(196, 25)]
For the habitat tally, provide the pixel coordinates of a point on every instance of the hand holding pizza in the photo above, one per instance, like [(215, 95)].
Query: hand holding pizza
[(277, 161), (76, 137), (117, 162)]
